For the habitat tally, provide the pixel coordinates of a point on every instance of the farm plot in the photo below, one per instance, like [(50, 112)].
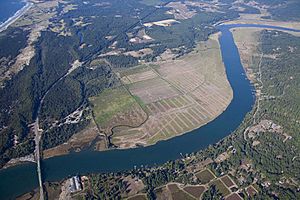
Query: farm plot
[(142, 76), (251, 191), (205, 176), (228, 181), (212, 98), (195, 191), (177, 193), (234, 196), (162, 193), (153, 90), (116, 107), (184, 74), (178, 95), (221, 187)]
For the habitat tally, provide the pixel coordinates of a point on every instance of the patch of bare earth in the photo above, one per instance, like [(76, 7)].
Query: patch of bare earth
[(142, 36), (234, 196), (195, 190), (164, 23), (177, 193), (180, 10), (140, 53), (212, 6), (166, 55), (65, 191), (138, 38), (80, 22), (163, 193), (60, 28)]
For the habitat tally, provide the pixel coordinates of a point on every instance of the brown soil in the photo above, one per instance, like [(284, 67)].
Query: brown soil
[(234, 196), (195, 191), (228, 182)]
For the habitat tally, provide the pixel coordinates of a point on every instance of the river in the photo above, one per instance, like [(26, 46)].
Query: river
[(23, 178)]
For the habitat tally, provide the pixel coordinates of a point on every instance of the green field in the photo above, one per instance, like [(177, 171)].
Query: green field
[(111, 102)]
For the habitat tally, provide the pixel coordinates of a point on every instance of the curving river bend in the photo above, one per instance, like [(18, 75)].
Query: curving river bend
[(20, 179)]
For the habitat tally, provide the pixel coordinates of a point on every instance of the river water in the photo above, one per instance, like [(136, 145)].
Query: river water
[(23, 178)]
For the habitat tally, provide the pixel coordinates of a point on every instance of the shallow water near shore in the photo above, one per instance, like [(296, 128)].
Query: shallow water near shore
[(17, 180), (8, 8)]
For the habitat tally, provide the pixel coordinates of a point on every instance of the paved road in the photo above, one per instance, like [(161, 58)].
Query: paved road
[(37, 138)]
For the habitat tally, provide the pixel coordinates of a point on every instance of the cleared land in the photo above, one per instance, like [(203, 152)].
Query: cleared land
[(177, 95), (180, 10), (195, 191), (116, 107), (221, 187), (167, 22), (177, 193), (205, 176), (234, 196), (227, 181)]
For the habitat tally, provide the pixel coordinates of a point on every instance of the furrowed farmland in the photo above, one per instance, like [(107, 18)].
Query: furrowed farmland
[(163, 99)]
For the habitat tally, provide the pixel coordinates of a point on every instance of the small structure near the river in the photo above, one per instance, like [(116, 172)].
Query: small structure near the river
[(75, 184)]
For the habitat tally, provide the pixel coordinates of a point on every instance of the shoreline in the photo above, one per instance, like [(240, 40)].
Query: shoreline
[(17, 161), (16, 16)]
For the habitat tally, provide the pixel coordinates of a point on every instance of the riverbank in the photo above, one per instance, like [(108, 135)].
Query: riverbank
[(247, 41), (259, 20), (15, 17), (18, 161)]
